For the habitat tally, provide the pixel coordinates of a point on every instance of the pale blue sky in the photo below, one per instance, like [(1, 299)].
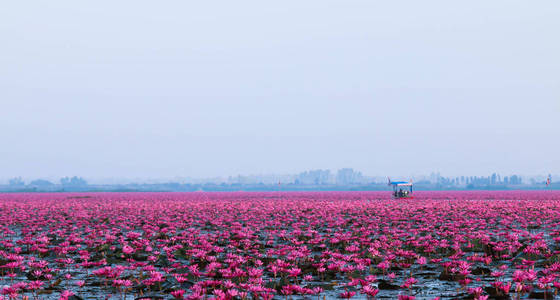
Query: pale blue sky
[(216, 88)]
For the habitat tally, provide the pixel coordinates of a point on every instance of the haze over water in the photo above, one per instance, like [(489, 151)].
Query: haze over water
[(137, 89)]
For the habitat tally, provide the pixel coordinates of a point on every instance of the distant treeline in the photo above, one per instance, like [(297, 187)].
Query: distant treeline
[(76, 184)]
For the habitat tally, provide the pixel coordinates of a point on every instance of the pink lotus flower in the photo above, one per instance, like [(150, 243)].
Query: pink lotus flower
[(347, 294), (409, 282), (368, 290), (127, 249), (65, 294), (294, 272)]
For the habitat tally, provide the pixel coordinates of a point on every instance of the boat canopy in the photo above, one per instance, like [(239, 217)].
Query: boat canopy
[(401, 183)]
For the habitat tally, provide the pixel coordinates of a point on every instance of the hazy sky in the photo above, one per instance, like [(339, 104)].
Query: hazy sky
[(156, 89)]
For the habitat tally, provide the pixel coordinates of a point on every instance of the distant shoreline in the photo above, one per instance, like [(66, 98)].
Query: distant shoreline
[(266, 188)]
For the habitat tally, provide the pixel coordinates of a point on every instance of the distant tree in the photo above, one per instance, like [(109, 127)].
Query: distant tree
[(73, 182), (16, 181), (41, 183)]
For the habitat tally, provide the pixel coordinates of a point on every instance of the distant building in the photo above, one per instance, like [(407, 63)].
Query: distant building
[(349, 176), (313, 177)]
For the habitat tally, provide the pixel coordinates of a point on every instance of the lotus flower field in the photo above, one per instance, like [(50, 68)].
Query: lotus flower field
[(289, 245)]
